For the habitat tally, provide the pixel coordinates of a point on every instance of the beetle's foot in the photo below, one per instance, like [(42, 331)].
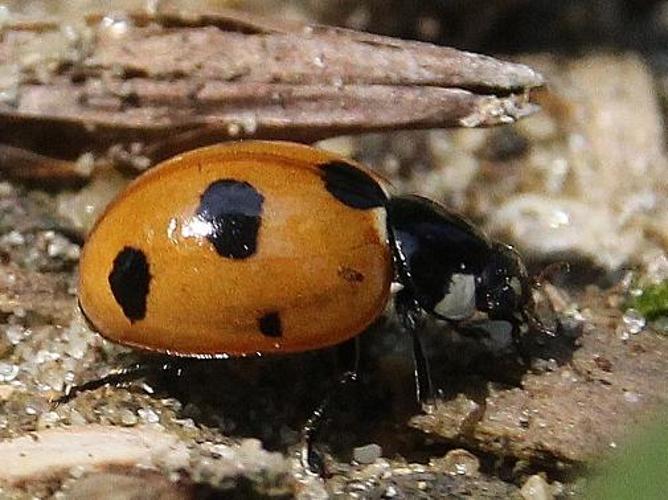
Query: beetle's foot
[(313, 460), (117, 378)]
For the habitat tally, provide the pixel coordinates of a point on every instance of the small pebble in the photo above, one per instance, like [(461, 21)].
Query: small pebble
[(571, 325), (47, 420), (367, 454), (59, 246), (634, 321), (631, 397), (390, 492), (5, 392), (5, 187), (13, 238), (76, 418), (128, 418), (8, 372), (459, 462), (77, 471), (16, 333), (661, 325), (536, 488), (222, 451), (148, 415), (85, 164), (233, 129)]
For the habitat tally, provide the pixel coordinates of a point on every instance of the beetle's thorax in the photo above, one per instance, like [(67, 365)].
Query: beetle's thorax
[(455, 271), (442, 254)]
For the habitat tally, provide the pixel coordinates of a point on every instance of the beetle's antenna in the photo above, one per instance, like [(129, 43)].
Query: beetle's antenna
[(536, 324), (550, 270), (538, 282)]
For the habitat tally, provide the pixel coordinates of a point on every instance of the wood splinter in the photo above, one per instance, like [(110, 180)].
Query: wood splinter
[(166, 83)]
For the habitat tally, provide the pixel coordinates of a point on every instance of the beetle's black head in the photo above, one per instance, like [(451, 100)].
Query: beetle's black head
[(504, 290)]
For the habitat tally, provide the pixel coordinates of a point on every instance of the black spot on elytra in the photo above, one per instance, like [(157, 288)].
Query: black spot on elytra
[(270, 325), (233, 208), (129, 280), (352, 186)]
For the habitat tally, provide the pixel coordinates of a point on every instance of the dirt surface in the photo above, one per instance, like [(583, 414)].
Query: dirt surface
[(582, 181)]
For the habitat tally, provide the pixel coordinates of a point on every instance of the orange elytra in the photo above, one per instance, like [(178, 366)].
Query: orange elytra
[(237, 249)]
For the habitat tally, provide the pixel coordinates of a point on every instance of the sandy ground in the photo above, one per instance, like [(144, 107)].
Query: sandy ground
[(582, 181)]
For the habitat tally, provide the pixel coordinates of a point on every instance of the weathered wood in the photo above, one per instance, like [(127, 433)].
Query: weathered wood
[(23, 164), (170, 82)]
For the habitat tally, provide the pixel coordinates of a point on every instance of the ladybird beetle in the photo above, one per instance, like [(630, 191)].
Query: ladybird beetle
[(272, 247)]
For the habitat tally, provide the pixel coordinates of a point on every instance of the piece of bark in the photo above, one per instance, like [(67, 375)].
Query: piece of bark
[(140, 88), (53, 452), (23, 164)]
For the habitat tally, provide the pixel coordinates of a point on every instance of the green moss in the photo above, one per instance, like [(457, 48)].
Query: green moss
[(653, 302), (638, 470)]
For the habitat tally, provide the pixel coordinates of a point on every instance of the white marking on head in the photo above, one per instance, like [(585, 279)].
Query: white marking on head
[(459, 302)]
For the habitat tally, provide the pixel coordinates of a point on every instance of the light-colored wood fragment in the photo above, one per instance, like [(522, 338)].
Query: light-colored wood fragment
[(149, 86), (53, 452)]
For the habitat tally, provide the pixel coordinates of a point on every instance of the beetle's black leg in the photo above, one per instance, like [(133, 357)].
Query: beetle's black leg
[(119, 377), (519, 345), (310, 458), (411, 317), (349, 355), (424, 390)]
